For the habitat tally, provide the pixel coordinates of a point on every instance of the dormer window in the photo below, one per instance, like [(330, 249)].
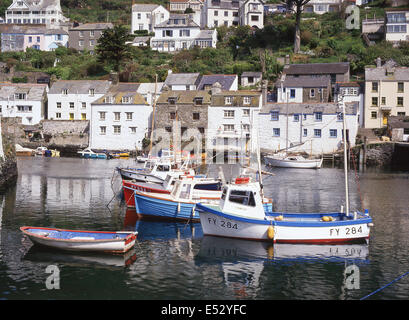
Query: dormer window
[(64, 92), (126, 99), (91, 92), (247, 100), (172, 100), (228, 100), (20, 96), (199, 101), (108, 99)]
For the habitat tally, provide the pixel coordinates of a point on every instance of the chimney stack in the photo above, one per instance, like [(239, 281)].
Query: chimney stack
[(113, 77), (216, 88), (378, 62), (264, 92), (287, 60)]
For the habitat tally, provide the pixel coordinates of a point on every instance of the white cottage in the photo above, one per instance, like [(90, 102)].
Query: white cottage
[(24, 100), (71, 99), (120, 119), (314, 128), (230, 117), (147, 16)]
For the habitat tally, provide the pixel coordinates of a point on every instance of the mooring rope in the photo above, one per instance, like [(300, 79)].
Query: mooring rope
[(387, 285)]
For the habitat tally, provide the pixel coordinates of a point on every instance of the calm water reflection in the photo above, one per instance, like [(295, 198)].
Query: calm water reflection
[(175, 260)]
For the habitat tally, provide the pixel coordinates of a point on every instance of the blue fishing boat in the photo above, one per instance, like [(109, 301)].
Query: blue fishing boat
[(180, 204), (88, 153)]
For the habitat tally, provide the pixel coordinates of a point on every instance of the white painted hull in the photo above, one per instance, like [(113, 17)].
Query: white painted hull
[(285, 163), (326, 232), (102, 246), (142, 177)]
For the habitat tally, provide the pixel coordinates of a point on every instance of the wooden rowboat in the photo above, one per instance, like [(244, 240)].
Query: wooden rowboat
[(80, 240)]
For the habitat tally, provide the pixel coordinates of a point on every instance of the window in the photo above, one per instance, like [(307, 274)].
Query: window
[(167, 33), (58, 115), (246, 112), (71, 116), (374, 86), (172, 115), (383, 100), (83, 105), (117, 116), (102, 130), (332, 133), (81, 34), (184, 33), (126, 99), (242, 197), (400, 101), (91, 92), (247, 100), (229, 113), (318, 116), (292, 93), (228, 127), (245, 127), (64, 92), (83, 116), (132, 130), (274, 115), (117, 129), (374, 115), (374, 101), (129, 115), (305, 132), (72, 105), (312, 93), (340, 116), (172, 100), (276, 132), (216, 13), (228, 100), (196, 116), (102, 115), (400, 86), (30, 39), (59, 105), (317, 133), (402, 114), (226, 13), (92, 33), (254, 18), (296, 117), (81, 43), (199, 101)]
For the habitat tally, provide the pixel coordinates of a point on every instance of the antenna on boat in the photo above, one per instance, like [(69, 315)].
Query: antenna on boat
[(153, 115)]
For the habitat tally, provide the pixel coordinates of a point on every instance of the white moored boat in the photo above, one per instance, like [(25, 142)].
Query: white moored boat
[(285, 161), (241, 214), (80, 240)]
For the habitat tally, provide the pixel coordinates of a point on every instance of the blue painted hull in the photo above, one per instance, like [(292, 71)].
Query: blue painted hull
[(165, 209), (94, 156), (170, 210)]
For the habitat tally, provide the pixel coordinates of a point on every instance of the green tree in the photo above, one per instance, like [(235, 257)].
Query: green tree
[(298, 4), (111, 48)]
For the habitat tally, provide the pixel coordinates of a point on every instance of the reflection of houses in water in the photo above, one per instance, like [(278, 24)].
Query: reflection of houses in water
[(63, 191)]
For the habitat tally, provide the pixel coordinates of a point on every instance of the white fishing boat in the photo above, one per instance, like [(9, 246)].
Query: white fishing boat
[(241, 214), (81, 240), (155, 171), (88, 153), (289, 161)]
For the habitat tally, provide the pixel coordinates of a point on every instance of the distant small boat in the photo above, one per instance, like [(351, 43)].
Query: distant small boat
[(88, 153), (285, 161), (80, 240), (21, 151), (40, 151), (117, 155)]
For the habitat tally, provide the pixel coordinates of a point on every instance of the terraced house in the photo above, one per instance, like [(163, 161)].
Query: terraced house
[(386, 93)]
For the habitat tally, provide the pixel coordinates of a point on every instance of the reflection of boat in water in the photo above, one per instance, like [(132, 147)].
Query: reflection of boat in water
[(230, 249), (46, 255)]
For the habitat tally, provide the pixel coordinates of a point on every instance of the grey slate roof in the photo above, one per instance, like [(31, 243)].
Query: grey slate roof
[(205, 35), (306, 81), (225, 80), (182, 79), (93, 26), (225, 5), (34, 92), (80, 86), (29, 29), (395, 72), (317, 68), (309, 108), (144, 7), (188, 22)]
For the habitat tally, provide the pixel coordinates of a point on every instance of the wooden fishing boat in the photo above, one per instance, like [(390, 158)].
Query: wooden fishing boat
[(240, 214), (80, 240)]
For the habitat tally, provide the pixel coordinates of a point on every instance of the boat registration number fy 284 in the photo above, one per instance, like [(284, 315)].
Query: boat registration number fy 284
[(347, 230), (222, 223)]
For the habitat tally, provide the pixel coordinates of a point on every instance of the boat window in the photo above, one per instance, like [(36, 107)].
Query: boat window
[(162, 168), (184, 194), (224, 194), (176, 189), (242, 197)]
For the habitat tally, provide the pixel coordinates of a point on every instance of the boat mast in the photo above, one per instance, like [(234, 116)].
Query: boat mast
[(153, 115), (345, 157), (286, 130)]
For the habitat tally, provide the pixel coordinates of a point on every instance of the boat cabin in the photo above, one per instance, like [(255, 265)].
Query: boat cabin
[(243, 198), (188, 188)]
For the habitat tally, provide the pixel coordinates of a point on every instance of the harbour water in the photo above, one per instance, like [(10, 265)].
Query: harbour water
[(175, 261)]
